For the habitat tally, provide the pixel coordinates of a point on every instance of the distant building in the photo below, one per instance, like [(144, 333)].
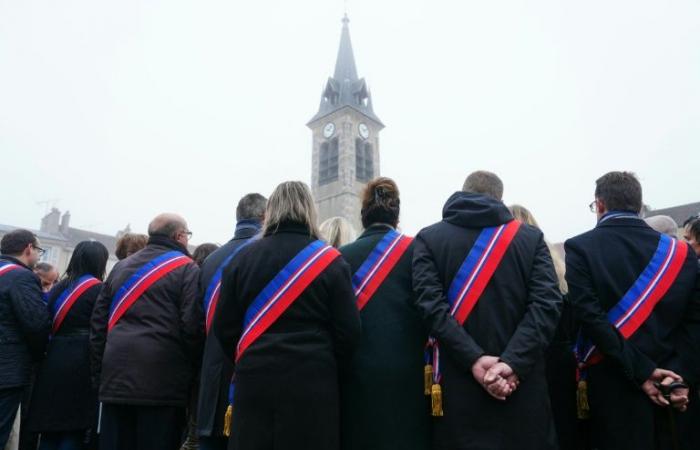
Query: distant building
[(59, 239), (679, 213), (345, 139)]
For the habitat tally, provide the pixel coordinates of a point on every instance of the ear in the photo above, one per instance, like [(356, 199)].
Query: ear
[(27, 250)]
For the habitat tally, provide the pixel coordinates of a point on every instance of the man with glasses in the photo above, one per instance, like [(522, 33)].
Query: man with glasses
[(24, 322), (146, 341), (632, 292)]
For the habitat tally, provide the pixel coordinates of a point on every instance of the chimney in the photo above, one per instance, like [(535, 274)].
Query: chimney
[(65, 223), (49, 223)]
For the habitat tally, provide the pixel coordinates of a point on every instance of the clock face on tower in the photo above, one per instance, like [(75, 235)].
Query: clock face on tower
[(328, 130), (364, 131)]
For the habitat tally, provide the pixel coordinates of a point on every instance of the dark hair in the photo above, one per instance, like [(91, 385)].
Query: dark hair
[(89, 258), (129, 244), (43, 267), (14, 242), (202, 251), (619, 191), (693, 227), (691, 219), (380, 202), (251, 207), (483, 182)]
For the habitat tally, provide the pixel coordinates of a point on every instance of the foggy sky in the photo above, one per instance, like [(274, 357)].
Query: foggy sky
[(126, 109)]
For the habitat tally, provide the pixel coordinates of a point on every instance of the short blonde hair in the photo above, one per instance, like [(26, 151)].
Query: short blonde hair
[(291, 201), (337, 231)]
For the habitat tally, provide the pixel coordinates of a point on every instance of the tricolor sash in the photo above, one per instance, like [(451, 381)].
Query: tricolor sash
[(465, 291), (143, 279), (211, 296), (380, 262), (7, 267), (283, 290), (68, 297), (635, 307)]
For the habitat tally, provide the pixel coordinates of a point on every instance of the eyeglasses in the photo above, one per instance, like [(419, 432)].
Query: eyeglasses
[(39, 250), (188, 233), (592, 207)]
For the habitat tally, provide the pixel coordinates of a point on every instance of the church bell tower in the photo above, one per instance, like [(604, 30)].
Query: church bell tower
[(345, 139)]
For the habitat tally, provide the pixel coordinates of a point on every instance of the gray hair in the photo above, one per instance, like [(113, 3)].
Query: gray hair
[(483, 182), (291, 201), (251, 207), (337, 231), (663, 224)]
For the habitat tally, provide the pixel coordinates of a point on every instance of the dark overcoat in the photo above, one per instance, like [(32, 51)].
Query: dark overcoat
[(217, 367), (382, 401), (151, 355), (514, 319), (63, 398), (286, 392), (601, 265), (24, 324)]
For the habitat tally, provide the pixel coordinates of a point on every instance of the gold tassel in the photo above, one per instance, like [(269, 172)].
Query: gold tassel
[(436, 400), (228, 417), (427, 378), (583, 409)]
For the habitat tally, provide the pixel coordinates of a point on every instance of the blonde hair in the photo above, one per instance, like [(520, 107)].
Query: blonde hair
[(524, 215), (337, 231), (291, 201)]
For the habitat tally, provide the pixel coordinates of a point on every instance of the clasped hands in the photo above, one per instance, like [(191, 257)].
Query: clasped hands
[(495, 376), (678, 398)]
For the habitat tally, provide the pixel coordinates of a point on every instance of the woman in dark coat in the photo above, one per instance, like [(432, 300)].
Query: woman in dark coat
[(383, 405), (64, 403), (286, 380)]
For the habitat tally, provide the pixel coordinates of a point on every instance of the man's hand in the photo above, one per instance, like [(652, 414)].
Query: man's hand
[(665, 377), (500, 380), (679, 396)]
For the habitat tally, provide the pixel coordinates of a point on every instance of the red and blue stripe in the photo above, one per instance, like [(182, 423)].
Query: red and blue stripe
[(6, 267), (380, 262), (635, 307), (141, 280), (211, 296), (283, 290), (68, 297)]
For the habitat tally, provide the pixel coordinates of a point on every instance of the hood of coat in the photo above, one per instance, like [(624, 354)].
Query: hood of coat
[(470, 210)]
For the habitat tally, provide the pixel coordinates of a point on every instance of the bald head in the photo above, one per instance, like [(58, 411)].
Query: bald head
[(663, 224), (167, 224)]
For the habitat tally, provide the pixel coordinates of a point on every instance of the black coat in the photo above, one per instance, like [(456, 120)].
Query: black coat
[(286, 382), (24, 324), (151, 355), (515, 319), (601, 265), (63, 398), (217, 367), (382, 400)]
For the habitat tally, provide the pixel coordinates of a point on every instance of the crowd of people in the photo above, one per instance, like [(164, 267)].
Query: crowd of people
[(474, 334)]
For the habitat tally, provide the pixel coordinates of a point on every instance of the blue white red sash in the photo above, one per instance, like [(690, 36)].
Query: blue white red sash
[(7, 267), (630, 313), (68, 297), (211, 296), (381, 260), (472, 278), (283, 290), (140, 281)]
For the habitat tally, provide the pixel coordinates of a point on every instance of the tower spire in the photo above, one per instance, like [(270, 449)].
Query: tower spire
[(345, 68)]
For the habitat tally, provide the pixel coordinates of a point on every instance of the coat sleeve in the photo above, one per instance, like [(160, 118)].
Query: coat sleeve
[(537, 327), (434, 308), (98, 329), (31, 312), (594, 323), (192, 314), (686, 359), (345, 318)]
